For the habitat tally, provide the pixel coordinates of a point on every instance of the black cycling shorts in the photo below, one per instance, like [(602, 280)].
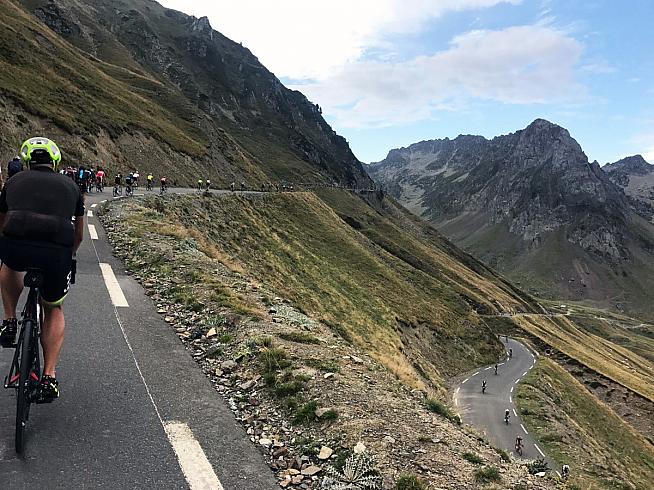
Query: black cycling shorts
[(55, 262)]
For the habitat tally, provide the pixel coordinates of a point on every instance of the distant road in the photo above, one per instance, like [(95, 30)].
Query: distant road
[(136, 411), (486, 412)]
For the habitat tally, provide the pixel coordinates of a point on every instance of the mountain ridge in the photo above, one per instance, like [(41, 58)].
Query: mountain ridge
[(531, 204)]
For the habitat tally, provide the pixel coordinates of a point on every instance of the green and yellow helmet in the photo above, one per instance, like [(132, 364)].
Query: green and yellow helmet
[(40, 150)]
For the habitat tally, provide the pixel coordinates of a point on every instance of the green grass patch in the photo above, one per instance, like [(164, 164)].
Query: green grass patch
[(409, 482), (306, 413), (488, 474), (473, 458), (438, 407), (326, 365)]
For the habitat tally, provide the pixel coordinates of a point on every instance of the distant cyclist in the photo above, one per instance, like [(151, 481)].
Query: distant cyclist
[(118, 184), (506, 416), (483, 387), (164, 185), (518, 445), (565, 471), (207, 185), (200, 184), (232, 186), (135, 182), (129, 182), (37, 208), (14, 166), (150, 183), (496, 369)]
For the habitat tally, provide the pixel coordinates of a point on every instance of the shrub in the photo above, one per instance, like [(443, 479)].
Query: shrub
[(473, 458), (504, 456), (537, 466), (436, 406), (487, 474), (306, 413), (409, 482), (299, 337)]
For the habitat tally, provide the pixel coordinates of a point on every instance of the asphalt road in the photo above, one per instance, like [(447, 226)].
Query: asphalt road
[(135, 410), (486, 411)]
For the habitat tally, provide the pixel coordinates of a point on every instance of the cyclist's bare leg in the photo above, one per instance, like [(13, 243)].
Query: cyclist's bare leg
[(11, 283), (52, 338)]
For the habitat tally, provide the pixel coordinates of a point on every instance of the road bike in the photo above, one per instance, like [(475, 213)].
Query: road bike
[(518, 448), (25, 372)]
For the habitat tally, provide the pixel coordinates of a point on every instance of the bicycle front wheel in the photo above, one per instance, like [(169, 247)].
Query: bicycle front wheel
[(23, 398)]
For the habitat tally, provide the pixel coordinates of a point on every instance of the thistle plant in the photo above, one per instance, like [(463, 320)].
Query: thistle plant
[(358, 473)]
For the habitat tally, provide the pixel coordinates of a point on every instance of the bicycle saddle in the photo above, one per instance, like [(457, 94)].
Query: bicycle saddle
[(33, 278)]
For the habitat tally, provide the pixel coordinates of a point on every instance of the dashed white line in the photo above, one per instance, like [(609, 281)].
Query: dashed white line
[(541, 452), (523, 428), (525, 373), (456, 402), (89, 213), (559, 474), (488, 368), (103, 201), (501, 364), (192, 459), (510, 399), (512, 389), (457, 390), (94, 205), (517, 381), (465, 380), (93, 232), (115, 293), (475, 374), (514, 412)]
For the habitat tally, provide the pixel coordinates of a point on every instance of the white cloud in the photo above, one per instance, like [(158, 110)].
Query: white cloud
[(518, 65), (303, 39)]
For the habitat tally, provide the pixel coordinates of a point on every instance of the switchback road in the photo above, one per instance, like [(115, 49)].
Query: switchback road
[(486, 411), (135, 410)]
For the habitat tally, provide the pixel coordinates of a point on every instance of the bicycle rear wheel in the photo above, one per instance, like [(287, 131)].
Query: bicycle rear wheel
[(24, 394)]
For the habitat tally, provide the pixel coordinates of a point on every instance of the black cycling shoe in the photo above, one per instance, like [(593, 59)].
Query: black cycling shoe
[(8, 332), (48, 390)]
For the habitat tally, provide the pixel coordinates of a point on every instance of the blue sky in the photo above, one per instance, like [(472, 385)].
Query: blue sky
[(389, 73)]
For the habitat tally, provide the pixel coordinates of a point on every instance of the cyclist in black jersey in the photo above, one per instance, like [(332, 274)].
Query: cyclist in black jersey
[(37, 208)]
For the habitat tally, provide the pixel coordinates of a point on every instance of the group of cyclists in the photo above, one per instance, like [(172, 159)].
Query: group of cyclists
[(131, 182)]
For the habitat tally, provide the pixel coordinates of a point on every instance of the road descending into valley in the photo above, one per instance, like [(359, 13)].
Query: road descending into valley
[(135, 410), (486, 411)]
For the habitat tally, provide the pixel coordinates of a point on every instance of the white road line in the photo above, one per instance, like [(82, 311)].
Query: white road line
[(541, 452), (517, 381), (465, 380), (456, 402), (93, 232), (523, 428), (89, 213), (488, 368), (512, 389), (117, 297), (514, 412), (457, 390), (559, 474), (533, 363), (94, 205), (510, 399), (195, 465), (475, 374), (525, 373), (103, 201), (501, 364)]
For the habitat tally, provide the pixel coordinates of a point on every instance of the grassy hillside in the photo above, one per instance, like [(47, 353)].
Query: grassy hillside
[(602, 450), (402, 297), (607, 358)]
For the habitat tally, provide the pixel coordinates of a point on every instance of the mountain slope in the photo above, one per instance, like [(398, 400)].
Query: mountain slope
[(131, 83), (532, 205)]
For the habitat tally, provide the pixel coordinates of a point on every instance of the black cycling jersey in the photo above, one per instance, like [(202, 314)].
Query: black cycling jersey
[(39, 206)]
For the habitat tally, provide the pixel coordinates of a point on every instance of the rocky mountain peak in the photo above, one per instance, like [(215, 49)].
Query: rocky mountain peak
[(632, 165)]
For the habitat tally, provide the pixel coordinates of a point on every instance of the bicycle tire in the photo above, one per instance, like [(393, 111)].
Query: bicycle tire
[(23, 394)]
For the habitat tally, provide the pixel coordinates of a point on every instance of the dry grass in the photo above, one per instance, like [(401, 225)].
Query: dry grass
[(602, 450)]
